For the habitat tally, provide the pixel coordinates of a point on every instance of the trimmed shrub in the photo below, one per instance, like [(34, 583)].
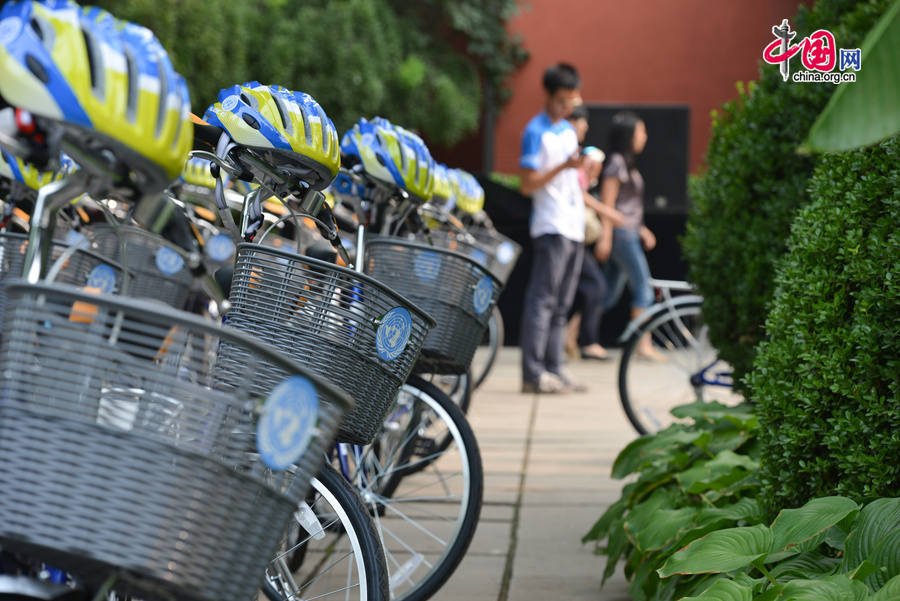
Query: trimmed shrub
[(746, 199), (827, 382)]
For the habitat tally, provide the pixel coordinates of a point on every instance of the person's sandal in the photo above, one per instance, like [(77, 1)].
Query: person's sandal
[(594, 356), (547, 384)]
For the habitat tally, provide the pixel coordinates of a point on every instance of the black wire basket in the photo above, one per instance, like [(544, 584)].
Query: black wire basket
[(129, 447), (453, 288), (490, 249), (157, 269), (343, 325)]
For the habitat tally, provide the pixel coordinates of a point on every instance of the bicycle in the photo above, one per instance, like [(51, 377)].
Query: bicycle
[(688, 368)]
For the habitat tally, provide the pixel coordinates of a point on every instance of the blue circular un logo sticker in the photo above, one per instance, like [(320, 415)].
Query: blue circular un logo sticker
[(481, 298), (479, 256), (168, 261), (102, 277), (393, 333), (427, 266), (505, 252), (219, 248), (287, 423)]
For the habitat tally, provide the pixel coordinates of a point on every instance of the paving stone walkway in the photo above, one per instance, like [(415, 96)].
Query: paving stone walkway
[(547, 461)]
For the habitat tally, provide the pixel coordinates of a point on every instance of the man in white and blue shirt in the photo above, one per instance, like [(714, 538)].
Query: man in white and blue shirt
[(548, 167)]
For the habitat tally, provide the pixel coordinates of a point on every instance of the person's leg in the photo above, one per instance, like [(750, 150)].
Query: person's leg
[(615, 278), (569, 266), (593, 286), (633, 262), (541, 296)]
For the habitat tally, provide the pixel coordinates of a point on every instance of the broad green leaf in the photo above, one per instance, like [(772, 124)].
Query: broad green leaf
[(602, 526), (836, 538), (724, 469), (832, 588), (703, 413), (746, 508), (865, 569), (615, 546), (724, 590), (721, 551), (889, 592), (794, 526), (806, 565), (663, 526), (651, 448), (770, 594), (886, 554), (875, 521), (867, 111), (750, 482)]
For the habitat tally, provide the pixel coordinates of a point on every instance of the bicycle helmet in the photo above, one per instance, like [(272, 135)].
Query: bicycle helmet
[(392, 155), (14, 169), (469, 193), (443, 189), (108, 83), (273, 119), (198, 172)]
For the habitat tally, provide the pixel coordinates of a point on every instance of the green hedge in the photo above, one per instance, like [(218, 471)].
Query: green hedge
[(827, 383), (745, 200)]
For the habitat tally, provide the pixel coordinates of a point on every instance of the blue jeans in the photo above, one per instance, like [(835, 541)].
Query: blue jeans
[(627, 262)]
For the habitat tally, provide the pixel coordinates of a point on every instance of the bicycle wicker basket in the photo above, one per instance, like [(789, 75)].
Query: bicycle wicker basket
[(492, 250), (453, 288), (68, 265), (343, 325), (127, 446), (157, 268)]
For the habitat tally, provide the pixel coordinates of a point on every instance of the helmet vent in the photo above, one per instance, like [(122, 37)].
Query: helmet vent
[(246, 100), (249, 120), (131, 72), (36, 26), (93, 57), (282, 113), (36, 68)]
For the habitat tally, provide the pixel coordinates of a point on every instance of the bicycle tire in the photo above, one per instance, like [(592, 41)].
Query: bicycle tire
[(650, 389), (403, 470), (494, 334), (352, 521)]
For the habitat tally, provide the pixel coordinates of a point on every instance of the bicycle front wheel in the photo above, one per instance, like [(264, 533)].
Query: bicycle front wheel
[(685, 368), (486, 353), (423, 479), (331, 551)]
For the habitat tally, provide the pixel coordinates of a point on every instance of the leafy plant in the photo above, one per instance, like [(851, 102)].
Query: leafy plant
[(754, 182), (827, 382), (691, 480), (826, 550)]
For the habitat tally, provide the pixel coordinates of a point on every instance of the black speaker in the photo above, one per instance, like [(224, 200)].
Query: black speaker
[(664, 161)]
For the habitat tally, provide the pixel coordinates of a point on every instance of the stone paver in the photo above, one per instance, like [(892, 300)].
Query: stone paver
[(547, 461)]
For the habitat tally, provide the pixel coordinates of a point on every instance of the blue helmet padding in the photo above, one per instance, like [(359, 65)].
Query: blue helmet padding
[(20, 41), (240, 108)]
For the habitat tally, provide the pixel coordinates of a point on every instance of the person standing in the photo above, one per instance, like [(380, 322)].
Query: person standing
[(623, 188), (548, 170)]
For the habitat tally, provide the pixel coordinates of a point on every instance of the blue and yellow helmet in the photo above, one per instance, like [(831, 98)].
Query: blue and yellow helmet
[(392, 154), (109, 82), (15, 169), (273, 118), (443, 188), (469, 195)]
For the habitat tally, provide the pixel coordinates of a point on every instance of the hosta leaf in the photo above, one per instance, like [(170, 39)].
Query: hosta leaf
[(875, 521), (721, 551), (865, 569), (663, 526), (833, 588), (886, 555), (744, 509), (602, 526), (889, 592), (794, 526), (647, 449), (615, 546), (867, 110), (703, 412), (806, 565), (724, 469), (724, 590)]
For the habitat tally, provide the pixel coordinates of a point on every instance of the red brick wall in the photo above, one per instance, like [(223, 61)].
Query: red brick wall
[(640, 51)]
